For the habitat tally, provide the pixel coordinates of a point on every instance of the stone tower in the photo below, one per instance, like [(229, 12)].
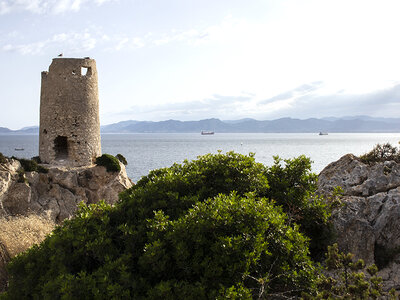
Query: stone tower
[(69, 113)]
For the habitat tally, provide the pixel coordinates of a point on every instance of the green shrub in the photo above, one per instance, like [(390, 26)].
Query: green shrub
[(110, 162), (293, 186), (347, 280), (214, 235), (381, 153), (177, 188), (21, 176), (37, 159), (122, 159), (42, 169), (228, 241), (30, 165), (3, 159), (227, 245)]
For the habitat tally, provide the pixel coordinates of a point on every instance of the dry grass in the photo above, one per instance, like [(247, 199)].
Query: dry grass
[(19, 233)]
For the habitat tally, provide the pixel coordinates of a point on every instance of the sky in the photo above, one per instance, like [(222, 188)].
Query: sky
[(192, 60)]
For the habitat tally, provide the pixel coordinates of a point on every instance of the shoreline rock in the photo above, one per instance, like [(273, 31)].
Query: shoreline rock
[(368, 223), (56, 194)]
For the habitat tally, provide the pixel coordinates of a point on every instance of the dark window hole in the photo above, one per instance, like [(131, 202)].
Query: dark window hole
[(61, 147)]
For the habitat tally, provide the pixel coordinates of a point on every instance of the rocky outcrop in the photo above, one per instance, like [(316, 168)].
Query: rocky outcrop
[(368, 223), (57, 193)]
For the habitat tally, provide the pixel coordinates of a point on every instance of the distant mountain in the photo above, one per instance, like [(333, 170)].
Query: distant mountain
[(25, 130), (238, 121), (330, 124), (119, 127), (5, 130), (247, 125)]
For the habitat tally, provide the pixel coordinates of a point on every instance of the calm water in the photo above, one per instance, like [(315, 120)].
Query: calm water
[(149, 151)]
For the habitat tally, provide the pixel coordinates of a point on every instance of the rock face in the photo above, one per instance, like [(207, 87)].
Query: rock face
[(368, 224), (57, 193)]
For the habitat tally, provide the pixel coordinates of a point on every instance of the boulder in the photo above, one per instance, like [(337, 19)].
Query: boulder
[(56, 194), (368, 223)]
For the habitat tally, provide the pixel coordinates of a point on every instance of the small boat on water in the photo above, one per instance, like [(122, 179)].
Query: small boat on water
[(323, 133), (203, 132), (19, 149)]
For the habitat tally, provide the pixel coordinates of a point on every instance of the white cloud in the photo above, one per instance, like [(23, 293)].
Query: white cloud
[(63, 42), (45, 6), (302, 102)]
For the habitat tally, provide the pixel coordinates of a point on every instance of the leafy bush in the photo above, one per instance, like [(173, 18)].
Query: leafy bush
[(21, 176), (110, 162), (121, 158), (381, 153), (346, 279), (37, 159), (3, 159), (293, 186), (177, 188), (225, 242), (196, 225), (42, 169), (30, 165)]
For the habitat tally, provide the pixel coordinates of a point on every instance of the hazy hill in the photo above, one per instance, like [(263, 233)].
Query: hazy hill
[(345, 124), (328, 124)]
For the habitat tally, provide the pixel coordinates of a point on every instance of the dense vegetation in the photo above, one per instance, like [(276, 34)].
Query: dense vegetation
[(222, 226), (110, 162), (381, 153), (121, 158), (3, 159), (30, 165)]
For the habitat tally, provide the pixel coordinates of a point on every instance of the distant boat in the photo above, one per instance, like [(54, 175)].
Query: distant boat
[(203, 132), (19, 149), (323, 133)]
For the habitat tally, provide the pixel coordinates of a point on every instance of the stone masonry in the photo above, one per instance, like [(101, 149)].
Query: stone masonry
[(69, 113)]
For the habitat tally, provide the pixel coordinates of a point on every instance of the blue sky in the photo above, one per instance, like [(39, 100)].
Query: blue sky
[(190, 60)]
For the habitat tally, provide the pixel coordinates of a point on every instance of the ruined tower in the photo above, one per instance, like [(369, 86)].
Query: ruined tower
[(69, 113)]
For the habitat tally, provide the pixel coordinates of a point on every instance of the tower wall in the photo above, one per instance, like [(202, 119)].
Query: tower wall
[(69, 113)]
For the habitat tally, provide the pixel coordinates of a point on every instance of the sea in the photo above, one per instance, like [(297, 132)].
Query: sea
[(148, 151)]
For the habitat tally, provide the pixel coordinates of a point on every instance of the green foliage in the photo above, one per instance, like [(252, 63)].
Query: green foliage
[(3, 159), (42, 169), (110, 162), (37, 159), (74, 261), (28, 165), (177, 188), (347, 280), (21, 176), (293, 186), (381, 153), (197, 230), (31, 165), (121, 158), (228, 241)]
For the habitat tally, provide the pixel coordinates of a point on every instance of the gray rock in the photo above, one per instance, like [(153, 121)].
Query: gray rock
[(370, 216), (56, 194)]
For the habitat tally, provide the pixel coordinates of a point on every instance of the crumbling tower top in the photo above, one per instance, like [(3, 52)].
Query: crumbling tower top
[(69, 113)]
